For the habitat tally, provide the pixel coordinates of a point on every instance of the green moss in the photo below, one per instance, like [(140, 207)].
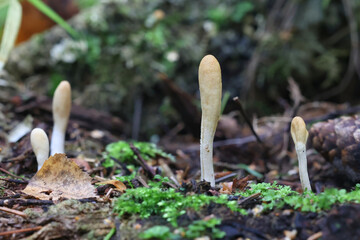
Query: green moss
[(121, 150), (166, 203), (158, 232), (277, 196), (197, 229), (171, 204)]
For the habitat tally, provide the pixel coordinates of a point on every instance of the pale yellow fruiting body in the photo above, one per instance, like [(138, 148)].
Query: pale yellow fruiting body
[(40, 144), (61, 111), (299, 135), (210, 95)]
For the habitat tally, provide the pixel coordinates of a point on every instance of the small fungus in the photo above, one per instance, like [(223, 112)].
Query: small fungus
[(299, 135), (61, 111), (210, 95), (40, 144)]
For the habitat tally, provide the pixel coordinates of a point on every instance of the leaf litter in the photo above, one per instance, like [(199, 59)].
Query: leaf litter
[(60, 178)]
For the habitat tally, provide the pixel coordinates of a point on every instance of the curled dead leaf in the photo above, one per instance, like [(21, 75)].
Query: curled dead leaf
[(60, 178), (120, 186)]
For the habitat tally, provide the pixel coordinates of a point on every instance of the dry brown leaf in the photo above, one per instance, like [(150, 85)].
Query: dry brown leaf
[(81, 162), (240, 184), (116, 183), (226, 188), (60, 178)]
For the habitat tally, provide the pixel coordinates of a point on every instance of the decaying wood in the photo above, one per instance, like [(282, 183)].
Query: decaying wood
[(86, 118), (24, 202)]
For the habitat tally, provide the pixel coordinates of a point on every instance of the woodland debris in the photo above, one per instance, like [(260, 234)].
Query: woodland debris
[(116, 183), (33, 229), (337, 140), (247, 120), (24, 202), (86, 118), (60, 178), (13, 211), (142, 162)]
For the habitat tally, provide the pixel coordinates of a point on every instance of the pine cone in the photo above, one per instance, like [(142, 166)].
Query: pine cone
[(338, 141)]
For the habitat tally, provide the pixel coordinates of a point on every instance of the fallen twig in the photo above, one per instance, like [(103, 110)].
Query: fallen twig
[(14, 181), (247, 120), (249, 198), (9, 173), (13, 211), (24, 202), (142, 181), (20, 231), (142, 162), (226, 177)]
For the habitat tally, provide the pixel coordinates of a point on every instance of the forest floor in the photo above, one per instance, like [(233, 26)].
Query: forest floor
[(240, 162)]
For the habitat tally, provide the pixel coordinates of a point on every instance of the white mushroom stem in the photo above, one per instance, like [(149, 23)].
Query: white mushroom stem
[(61, 111), (210, 95), (40, 144), (299, 135)]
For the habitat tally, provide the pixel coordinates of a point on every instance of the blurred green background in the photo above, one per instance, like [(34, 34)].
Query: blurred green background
[(260, 44)]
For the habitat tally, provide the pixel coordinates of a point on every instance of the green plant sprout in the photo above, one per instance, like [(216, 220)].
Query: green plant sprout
[(121, 150), (110, 234)]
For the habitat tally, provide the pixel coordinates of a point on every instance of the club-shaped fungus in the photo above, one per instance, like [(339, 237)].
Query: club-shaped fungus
[(210, 95), (40, 144), (299, 135), (61, 111)]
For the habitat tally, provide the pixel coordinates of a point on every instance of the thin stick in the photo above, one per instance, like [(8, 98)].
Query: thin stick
[(20, 231), (249, 198), (9, 173), (142, 181), (218, 180), (14, 181), (247, 120), (142, 162), (24, 202), (13, 211)]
